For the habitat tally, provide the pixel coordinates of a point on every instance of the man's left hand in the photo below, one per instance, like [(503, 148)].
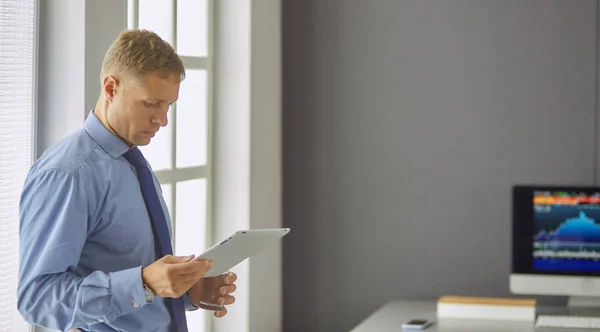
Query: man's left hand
[(215, 290)]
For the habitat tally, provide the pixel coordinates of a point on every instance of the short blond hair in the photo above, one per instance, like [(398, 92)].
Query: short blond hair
[(139, 53)]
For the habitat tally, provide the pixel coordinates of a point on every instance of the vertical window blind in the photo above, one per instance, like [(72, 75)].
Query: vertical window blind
[(17, 37)]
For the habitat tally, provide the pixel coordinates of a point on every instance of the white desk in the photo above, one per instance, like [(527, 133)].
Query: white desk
[(390, 317)]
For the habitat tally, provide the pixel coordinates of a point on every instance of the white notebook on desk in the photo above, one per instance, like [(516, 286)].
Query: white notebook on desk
[(486, 308)]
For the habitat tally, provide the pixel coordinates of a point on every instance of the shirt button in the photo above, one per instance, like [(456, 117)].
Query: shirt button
[(135, 304)]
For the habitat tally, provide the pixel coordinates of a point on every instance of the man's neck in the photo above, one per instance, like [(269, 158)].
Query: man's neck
[(101, 113)]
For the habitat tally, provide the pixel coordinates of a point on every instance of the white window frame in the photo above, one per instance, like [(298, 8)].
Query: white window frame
[(175, 175)]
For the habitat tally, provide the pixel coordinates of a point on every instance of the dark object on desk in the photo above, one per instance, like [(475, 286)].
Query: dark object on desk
[(417, 324)]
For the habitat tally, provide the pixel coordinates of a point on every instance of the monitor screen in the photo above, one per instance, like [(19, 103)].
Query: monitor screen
[(567, 231), (556, 230)]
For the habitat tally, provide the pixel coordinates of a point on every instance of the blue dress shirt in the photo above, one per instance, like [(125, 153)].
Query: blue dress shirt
[(85, 235)]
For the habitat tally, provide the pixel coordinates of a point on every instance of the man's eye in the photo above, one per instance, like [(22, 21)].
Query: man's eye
[(147, 104)]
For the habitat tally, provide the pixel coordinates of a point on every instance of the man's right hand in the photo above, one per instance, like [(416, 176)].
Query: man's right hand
[(172, 276)]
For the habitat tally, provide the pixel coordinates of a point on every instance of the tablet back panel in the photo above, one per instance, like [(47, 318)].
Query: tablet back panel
[(236, 248)]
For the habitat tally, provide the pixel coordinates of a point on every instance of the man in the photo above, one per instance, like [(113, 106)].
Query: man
[(94, 229)]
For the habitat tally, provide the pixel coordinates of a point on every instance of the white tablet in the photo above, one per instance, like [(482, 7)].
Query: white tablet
[(239, 246)]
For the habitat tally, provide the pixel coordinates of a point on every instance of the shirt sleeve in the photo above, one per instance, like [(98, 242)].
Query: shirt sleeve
[(55, 221), (188, 304)]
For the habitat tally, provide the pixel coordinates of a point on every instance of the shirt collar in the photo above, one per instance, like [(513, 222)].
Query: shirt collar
[(108, 141)]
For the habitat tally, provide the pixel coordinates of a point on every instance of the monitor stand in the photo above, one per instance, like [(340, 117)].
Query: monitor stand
[(584, 302), (586, 306)]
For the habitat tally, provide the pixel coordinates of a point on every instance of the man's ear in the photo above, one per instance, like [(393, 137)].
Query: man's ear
[(109, 87)]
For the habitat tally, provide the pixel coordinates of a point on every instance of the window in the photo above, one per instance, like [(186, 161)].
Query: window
[(180, 153), (17, 35)]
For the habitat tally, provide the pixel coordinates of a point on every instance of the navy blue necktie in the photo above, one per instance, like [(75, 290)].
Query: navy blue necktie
[(159, 225)]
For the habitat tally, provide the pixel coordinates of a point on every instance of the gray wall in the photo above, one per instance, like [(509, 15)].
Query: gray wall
[(405, 123)]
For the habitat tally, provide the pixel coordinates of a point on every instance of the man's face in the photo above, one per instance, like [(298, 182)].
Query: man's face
[(138, 111)]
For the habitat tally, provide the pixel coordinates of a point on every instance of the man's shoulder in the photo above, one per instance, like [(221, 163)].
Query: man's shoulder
[(68, 155)]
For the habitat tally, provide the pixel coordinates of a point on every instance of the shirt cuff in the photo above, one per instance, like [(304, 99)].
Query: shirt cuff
[(127, 290), (189, 306)]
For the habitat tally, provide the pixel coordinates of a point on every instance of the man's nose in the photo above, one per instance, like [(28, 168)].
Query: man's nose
[(162, 119)]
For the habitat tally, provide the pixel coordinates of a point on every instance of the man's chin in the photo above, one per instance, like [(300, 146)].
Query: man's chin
[(142, 142)]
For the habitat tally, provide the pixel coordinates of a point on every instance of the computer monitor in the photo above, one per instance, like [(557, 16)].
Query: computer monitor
[(556, 242)]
